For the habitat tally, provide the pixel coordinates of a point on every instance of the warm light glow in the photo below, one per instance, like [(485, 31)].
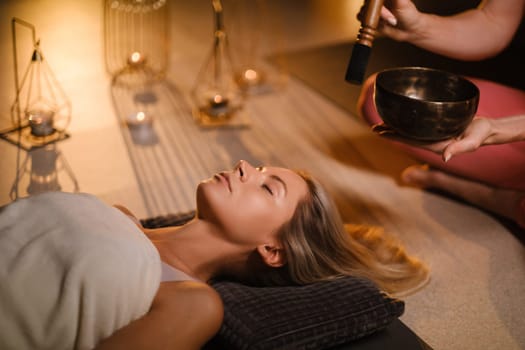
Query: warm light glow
[(40, 117), (141, 116), (135, 57), (218, 103), (218, 99), (350, 10), (339, 15), (139, 119), (250, 74)]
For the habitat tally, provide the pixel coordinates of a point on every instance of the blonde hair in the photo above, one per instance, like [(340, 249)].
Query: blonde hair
[(318, 247)]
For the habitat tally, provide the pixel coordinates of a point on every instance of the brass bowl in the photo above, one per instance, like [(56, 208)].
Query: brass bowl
[(425, 104)]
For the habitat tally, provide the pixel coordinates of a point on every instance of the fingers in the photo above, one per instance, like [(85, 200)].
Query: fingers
[(382, 129), (388, 16), (460, 146), (473, 137), (387, 132)]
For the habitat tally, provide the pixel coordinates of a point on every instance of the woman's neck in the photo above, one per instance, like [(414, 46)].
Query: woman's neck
[(198, 249)]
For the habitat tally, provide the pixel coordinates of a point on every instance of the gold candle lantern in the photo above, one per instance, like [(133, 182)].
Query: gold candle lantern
[(256, 33), (41, 111), (136, 39), (217, 99)]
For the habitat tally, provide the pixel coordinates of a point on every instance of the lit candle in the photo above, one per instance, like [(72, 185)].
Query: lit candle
[(41, 122), (136, 58), (251, 77), (141, 129), (139, 119), (218, 105)]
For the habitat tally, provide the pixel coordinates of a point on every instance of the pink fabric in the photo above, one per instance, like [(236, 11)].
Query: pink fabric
[(498, 165), (520, 213)]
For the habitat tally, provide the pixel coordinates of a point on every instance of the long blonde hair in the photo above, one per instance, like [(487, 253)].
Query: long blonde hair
[(318, 246)]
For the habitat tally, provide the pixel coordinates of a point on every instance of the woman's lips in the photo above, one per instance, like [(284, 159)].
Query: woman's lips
[(225, 179)]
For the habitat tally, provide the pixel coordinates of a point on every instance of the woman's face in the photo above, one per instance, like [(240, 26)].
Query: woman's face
[(249, 203)]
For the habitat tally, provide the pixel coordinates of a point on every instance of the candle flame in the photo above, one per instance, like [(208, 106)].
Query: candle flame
[(141, 116), (250, 74), (218, 98), (135, 57)]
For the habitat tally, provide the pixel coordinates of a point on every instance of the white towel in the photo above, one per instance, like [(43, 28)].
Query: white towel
[(72, 271)]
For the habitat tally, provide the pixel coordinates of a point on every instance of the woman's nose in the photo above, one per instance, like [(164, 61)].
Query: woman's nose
[(245, 170)]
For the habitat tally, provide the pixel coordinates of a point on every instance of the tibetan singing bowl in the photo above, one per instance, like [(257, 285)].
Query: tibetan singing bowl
[(425, 104)]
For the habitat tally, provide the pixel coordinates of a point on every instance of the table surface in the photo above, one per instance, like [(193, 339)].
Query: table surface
[(476, 295)]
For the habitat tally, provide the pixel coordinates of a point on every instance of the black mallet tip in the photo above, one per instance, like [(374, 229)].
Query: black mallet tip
[(355, 72)]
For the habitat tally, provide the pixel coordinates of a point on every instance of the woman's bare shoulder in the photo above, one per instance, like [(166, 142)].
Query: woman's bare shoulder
[(198, 296), (183, 315)]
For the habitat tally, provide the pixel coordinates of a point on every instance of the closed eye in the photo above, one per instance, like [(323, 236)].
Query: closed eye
[(268, 189)]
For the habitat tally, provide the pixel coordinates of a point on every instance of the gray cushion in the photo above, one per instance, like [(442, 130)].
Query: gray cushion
[(316, 316)]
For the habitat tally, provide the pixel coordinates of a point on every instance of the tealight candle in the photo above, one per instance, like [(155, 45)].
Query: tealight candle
[(251, 77), (139, 119), (141, 128), (41, 122), (218, 105), (136, 59)]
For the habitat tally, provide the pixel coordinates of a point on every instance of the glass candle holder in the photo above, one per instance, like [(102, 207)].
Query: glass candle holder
[(255, 33), (136, 35), (41, 122), (216, 96)]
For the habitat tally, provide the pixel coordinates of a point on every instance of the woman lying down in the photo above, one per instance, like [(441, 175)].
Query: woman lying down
[(78, 274)]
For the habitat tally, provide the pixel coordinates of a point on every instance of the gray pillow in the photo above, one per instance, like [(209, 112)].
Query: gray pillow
[(315, 316)]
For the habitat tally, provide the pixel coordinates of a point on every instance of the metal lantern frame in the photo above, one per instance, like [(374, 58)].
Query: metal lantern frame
[(217, 99), (41, 111)]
